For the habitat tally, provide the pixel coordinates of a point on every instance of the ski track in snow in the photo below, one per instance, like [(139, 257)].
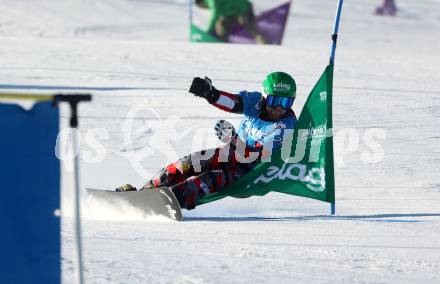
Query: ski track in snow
[(134, 53)]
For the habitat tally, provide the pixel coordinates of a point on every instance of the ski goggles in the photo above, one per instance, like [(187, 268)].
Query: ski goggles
[(275, 101)]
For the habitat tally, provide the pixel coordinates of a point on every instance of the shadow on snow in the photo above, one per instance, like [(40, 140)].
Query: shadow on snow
[(78, 88), (372, 218)]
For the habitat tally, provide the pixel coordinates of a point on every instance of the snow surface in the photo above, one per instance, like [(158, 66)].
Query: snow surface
[(134, 56)]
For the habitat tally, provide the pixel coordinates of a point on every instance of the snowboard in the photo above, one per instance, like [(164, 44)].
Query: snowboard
[(160, 201)]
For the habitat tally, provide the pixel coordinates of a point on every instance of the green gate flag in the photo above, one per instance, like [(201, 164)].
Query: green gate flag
[(304, 165), (198, 35)]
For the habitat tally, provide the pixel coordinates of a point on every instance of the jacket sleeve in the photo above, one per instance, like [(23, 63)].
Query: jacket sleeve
[(228, 102)]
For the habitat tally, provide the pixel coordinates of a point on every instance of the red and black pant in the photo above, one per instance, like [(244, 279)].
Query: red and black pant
[(199, 174)]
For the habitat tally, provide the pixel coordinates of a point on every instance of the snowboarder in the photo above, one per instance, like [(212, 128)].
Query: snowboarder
[(226, 14), (266, 117), (388, 8)]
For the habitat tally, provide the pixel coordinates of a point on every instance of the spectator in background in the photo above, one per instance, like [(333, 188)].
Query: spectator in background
[(388, 8), (225, 14)]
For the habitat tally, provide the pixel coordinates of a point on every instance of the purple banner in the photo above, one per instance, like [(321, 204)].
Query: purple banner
[(270, 24)]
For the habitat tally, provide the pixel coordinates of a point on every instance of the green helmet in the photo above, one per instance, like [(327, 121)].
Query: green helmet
[(279, 84)]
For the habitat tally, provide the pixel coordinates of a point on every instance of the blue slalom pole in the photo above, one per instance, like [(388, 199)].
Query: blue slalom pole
[(335, 31), (190, 17), (332, 61)]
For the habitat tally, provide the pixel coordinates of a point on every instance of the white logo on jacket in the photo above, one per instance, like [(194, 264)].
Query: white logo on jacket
[(260, 135)]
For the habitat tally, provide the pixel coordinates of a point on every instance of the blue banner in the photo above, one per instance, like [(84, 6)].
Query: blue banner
[(30, 195)]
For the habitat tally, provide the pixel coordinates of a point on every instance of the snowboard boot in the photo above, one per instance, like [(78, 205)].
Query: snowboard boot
[(388, 8), (391, 8), (259, 38), (126, 187), (380, 11)]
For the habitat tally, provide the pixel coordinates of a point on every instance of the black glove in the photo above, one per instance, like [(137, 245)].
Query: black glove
[(225, 131), (203, 88)]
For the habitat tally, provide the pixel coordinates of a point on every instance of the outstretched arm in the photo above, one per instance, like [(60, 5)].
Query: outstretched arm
[(222, 100)]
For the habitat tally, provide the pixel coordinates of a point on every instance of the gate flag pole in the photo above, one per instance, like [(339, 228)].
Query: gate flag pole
[(73, 100), (335, 31), (190, 18), (332, 60)]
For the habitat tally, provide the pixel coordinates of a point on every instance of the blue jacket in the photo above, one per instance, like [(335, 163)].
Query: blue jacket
[(257, 132)]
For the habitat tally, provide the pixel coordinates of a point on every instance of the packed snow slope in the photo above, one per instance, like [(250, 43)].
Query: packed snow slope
[(135, 58)]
